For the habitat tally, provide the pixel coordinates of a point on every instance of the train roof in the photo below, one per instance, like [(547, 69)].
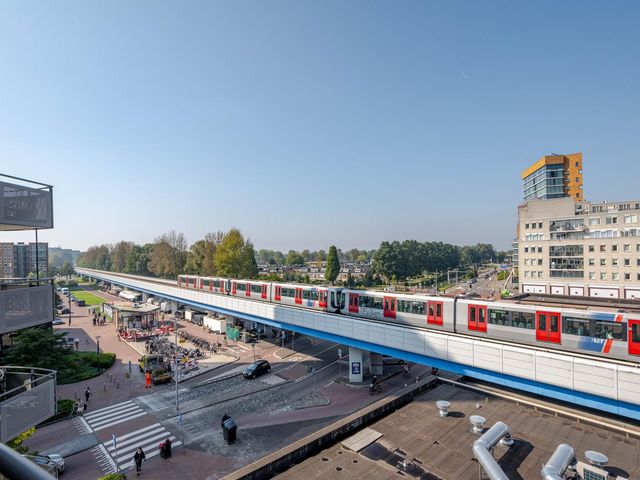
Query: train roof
[(582, 303)]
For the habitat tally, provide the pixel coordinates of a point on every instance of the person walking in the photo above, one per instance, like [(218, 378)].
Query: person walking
[(147, 379), (87, 393), (138, 457)]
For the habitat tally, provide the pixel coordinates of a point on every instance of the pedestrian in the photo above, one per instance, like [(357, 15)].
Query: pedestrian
[(85, 405), (87, 393), (94, 321), (69, 319), (138, 457), (77, 342), (79, 407), (147, 378)]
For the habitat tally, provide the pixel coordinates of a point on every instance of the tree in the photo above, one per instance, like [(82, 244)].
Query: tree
[(321, 256), (119, 254), (138, 260), (67, 270), (294, 258), (168, 255), (234, 257), (200, 258), (333, 265), (37, 347)]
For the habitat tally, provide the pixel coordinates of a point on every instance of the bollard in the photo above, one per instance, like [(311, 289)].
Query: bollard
[(117, 384), (129, 366)]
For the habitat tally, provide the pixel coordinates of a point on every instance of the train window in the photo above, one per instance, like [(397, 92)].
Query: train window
[(364, 301), (377, 303), (438, 310), (305, 294), (576, 326), (313, 295), (472, 313), (288, 292), (403, 306), (205, 283), (481, 314), (611, 330), (499, 317), (554, 327), (241, 287), (523, 320), (418, 308), (256, 288)]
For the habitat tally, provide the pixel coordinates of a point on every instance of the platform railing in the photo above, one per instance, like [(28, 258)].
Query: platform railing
[(25, 205)]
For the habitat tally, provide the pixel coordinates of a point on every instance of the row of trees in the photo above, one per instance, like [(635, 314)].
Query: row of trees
[(224, 254), (410, 258), (293, 257)]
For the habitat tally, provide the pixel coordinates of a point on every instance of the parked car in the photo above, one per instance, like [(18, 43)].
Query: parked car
[(58, 321), (63, 311), (51, 463), (257, 368), (69, 342)]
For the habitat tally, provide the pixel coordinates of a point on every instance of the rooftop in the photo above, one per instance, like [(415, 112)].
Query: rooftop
[(417, 443)]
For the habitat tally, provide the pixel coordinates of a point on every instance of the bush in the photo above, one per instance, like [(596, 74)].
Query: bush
[(79, 366), (114, 476), (16, 443)]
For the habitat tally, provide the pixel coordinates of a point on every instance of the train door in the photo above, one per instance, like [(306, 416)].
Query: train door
[(233, 288), (477, 318), (353, 302), (634, 337), (322, 298), (434, 313), (248, 290), (278, 293), (299, 296), (548, 327), (389, 307), (263, 291)]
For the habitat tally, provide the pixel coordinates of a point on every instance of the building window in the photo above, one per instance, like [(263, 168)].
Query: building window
[(627, 276), (603, 276), (527, 273), (539, 224), (526, 249), (526, 226), (594, 221), (611, 219), (539, 249), (614, 262), (592, 275), (527, 262), (592, 248), (630, 219), (626, 247), (603, 248), (592, 262), (638, 262), (615, 276), (627, 262), (638, 276), (614, 248), (603, 262)]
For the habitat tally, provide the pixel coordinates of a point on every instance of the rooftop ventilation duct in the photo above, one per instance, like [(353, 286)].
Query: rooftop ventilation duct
[(558, 463), (483, 446)]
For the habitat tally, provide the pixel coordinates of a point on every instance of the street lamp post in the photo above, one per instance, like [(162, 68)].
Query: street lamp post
[(175, 331), (98, 347)]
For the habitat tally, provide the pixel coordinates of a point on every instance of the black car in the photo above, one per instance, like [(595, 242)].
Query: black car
[(257, 368)]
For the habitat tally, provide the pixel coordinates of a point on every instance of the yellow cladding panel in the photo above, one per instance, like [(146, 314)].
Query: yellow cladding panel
[(546, 160), (573, 176)]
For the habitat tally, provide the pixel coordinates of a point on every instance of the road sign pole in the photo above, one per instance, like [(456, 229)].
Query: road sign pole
[(115, 450)]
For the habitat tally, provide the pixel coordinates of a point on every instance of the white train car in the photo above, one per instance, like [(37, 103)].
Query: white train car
[(251, 289), (416, 310), (307, 296)]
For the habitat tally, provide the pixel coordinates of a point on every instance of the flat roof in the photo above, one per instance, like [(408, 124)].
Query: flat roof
[(145, 308), (587, 303), (417, 443)]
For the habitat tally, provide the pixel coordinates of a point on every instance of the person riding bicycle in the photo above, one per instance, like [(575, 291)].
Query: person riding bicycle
[(405, 369), (374, 381)]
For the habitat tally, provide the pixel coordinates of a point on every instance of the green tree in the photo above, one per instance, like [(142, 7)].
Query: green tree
[(168, 255), (321, 256), (200, 258), (294, 258), (67, 270), (119, 254), (235, 257), (138, 260), (37, 347), (333, 265)]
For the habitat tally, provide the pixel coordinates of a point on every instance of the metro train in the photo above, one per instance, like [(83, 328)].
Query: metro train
[(592, 331)]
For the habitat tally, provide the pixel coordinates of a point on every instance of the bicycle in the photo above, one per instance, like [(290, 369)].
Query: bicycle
[(375, 388)]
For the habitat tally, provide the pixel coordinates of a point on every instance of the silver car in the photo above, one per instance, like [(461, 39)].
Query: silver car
[(54, 463)]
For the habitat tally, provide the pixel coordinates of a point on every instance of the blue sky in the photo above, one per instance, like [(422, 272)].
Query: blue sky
[(311, 123)]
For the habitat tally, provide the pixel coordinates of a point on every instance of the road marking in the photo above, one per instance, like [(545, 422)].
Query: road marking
[(109, 416), (148, 438)]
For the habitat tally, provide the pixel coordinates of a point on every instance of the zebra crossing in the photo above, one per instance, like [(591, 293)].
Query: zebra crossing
[(148, 438), (81, 425), (112, 415)]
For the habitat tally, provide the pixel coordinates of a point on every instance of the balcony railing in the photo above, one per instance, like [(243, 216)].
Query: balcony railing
[(27, 398), (27, 205), (25, 303)]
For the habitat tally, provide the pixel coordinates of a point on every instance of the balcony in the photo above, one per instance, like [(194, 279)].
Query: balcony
[(24, 304), (26, 205), (27, 398)]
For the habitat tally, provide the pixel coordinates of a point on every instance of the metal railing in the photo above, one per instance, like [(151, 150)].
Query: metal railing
[(25, 207), (27, 397), (25, 303)]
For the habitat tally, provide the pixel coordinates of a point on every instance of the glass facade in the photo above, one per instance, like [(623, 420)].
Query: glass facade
[(546, 182)]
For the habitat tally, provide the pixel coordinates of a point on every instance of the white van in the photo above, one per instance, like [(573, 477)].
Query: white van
[(65, 290)]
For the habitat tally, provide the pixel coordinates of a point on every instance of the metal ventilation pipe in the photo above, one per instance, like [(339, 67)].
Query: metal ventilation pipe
[(558, 463), (482, 450)]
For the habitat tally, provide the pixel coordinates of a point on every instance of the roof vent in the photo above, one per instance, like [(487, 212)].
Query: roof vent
[(596, 459), (443, 407), (478, 423)]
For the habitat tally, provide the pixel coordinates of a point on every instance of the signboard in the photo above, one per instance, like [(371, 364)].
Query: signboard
[(355, 368), (233, 333)]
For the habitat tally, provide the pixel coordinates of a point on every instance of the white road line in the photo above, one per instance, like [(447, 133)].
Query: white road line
[(129, 435), (120, 420), (152, 453), (108, 418), (121, 443), (112, 464), (110, 407)]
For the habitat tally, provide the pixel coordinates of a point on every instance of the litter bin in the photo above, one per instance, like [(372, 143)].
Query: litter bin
[(229, 429), (225, 417)]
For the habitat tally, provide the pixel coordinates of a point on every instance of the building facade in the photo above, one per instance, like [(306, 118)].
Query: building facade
[(7, 260), (554, 176), (570, 247)]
